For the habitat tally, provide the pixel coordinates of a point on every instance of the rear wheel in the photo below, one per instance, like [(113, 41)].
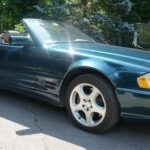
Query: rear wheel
[(92, 104)]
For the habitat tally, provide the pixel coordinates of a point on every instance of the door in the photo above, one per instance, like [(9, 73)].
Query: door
[(17, 67)]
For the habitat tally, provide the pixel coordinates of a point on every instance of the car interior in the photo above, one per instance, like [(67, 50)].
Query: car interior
[(5, 37), (15, 38)]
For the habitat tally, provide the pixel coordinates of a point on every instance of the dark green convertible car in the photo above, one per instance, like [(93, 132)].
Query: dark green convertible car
[(97, 83)]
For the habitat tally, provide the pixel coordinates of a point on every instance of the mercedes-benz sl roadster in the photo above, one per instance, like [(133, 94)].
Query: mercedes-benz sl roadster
[(97, 83)]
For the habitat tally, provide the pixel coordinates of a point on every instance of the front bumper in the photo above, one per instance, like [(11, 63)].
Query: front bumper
[(134, 103)]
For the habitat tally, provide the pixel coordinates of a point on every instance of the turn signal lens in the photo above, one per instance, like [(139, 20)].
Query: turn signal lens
[(144, 81)]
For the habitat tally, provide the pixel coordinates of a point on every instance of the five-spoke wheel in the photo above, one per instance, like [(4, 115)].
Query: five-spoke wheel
[(92, 103), (87, 104)]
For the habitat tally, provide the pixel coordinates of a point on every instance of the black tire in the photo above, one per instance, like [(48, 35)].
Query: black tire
[(112, 106)]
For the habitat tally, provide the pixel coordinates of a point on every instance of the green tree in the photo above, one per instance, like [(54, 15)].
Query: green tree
[(13, 11), (20, 28), (103, 20), (140, 11)]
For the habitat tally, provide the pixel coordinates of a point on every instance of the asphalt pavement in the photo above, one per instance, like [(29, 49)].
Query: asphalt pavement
[(27, 124)]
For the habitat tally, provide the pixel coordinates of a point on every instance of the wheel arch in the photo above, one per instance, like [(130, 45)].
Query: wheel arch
[(75, 72)]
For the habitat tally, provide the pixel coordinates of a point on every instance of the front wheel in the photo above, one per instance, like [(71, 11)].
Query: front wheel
[(92, 104)]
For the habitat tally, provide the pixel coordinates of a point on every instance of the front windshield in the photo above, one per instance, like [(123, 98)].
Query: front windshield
[(56, 32)]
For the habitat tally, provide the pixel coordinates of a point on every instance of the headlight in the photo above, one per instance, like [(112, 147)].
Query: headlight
[(144, 81)]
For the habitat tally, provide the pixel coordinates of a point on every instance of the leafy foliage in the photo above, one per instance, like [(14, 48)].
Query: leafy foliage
[(11, 12), (20, 28), (140, 11), (104, 20)]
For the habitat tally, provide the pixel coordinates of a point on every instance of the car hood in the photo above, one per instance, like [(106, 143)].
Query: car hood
[(109, 52)]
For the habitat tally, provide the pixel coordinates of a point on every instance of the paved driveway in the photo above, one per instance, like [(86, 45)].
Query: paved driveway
[(26, 124)]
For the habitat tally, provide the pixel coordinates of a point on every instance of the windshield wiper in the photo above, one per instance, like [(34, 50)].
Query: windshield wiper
[(82, 40), (77, 41), (56, 42)]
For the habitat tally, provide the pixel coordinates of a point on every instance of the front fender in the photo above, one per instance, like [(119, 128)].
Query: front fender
[(101, 67), (120, 74)]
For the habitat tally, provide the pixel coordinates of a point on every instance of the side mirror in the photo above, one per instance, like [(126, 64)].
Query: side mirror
[(20, 41)]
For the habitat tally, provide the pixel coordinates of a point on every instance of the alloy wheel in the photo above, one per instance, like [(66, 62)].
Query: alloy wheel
[(87, 105)]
